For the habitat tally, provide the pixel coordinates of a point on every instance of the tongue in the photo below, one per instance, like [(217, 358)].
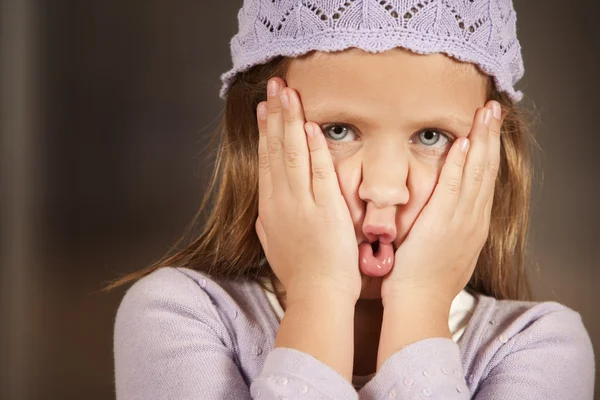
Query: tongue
[(375, 264)]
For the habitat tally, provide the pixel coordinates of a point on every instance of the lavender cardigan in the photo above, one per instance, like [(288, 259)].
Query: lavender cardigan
[(181, 335)]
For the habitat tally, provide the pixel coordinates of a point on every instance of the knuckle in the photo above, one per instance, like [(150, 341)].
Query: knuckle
[(320, 172), (263, 161), (477, 173), (317, 152), (459, 163), (292, 158), (274, 108), (492, 169), (495, 131), (453, 186), (274, 145), (290, 118)]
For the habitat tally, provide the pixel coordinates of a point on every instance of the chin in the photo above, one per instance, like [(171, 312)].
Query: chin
[(371, 287)]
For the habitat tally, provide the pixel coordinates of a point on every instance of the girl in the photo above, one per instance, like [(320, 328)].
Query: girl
[(367, 221)]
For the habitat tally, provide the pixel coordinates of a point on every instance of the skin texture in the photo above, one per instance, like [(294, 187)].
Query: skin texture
[(386, 176)]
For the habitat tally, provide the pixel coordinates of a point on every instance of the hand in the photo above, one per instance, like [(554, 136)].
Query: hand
[(303, 222), (441, 250)]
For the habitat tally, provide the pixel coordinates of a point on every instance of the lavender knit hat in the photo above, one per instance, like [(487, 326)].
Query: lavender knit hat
[(482, 32)]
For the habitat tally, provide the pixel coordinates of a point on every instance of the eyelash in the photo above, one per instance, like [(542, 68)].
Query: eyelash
[(429, 149)]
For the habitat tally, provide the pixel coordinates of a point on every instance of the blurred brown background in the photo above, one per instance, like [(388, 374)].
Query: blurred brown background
[(105, 110)]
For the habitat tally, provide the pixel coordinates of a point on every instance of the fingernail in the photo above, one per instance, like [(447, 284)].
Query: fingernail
[(487, 117), (262, 111), (273, 88), (464, 146), (310, 131), (285, 100), (497, 110)]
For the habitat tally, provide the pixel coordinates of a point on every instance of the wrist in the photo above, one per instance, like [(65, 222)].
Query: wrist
[(419, 297), (315, 290), (409, 317), (421, 310), (421, 314), (315, 297), (320, 323)]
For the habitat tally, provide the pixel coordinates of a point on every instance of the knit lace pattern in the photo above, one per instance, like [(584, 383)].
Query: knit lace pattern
[(482, 32)]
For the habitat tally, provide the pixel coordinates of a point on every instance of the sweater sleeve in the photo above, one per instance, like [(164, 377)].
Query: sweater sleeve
[(550, 358), (292, 374), (170, 342), (430, 368)]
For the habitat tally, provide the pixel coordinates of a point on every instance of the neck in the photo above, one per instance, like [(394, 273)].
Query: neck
[(368, 317)]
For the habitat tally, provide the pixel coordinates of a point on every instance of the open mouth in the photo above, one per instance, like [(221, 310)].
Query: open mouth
[(375, 247), (376, 259)]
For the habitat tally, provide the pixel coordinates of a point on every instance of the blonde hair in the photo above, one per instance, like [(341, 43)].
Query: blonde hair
[(228, 246)]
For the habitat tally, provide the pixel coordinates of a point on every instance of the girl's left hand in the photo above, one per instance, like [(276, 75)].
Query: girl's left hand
[(441, 250)]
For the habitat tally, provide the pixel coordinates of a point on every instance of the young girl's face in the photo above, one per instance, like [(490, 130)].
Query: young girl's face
[(390, 119)]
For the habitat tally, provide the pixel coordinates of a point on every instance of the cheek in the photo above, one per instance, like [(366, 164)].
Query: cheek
[(349, 176), (421, 184)]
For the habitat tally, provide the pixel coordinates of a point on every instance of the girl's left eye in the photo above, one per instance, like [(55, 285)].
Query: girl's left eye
[(431, 138), (339, 133)]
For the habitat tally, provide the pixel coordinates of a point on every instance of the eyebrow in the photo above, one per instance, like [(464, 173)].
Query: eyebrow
[(454, 120)]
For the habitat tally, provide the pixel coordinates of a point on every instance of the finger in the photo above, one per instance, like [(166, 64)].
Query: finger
[(474, 170), (448, 187), (262, 236), (325, 185), (265, 185), (488, 214), (275, 136), (489, 206), (295, 144), (493, 159)]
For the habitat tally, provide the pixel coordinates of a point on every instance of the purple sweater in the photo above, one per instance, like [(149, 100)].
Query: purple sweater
[(181, 335)]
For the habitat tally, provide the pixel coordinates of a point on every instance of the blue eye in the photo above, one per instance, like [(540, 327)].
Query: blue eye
[(431, 138), (338, 132)]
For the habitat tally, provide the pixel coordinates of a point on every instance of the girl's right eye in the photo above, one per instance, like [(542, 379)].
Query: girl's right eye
[(339, 133)]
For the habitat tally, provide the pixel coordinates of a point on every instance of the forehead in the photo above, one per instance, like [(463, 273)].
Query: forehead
[(396, 81)]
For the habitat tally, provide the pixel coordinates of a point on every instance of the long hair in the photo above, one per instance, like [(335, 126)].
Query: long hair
[(228, 246)]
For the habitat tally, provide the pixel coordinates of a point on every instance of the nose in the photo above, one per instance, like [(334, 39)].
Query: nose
[(383, 188), (384, 175)]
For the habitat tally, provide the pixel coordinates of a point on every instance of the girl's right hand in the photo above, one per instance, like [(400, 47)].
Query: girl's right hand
[(303, 222)]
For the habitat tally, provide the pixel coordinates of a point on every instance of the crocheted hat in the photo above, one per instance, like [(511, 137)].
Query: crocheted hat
[(482, 32)]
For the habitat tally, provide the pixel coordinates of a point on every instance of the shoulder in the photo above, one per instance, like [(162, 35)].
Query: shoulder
[(183, 289), (547, 338), (174, 307), (165, 299), (172, 298), (549, 321), (165, 288), (175, 324)]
